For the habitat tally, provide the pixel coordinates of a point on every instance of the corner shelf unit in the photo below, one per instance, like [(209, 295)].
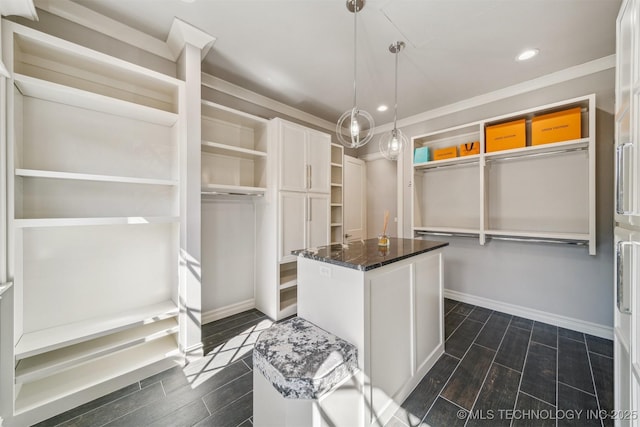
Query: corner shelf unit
[(234, 151), (538, 193), (337, 208), (94, 222)]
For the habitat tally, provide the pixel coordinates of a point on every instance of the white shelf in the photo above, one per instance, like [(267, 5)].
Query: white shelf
[(72, 222), (337, 165), (336, 224), (541, 235), (85, 376), (34, 173), (539, 149), (232, 189), (336, 205), (336, 185), (42, 341), (211, 110), (53, 362), (289, 280), (290, 308), (231, 150), (67, 95), (448, 162)]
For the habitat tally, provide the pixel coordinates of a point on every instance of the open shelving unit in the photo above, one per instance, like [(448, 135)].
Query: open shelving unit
[(94, 221), (537, 193), (337, 207), (234, 151)]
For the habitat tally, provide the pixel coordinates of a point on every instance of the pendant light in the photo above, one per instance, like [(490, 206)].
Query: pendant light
[(356, 123), (392, 143)]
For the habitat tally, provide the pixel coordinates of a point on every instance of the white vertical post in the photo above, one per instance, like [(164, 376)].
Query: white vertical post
[(189, 45)]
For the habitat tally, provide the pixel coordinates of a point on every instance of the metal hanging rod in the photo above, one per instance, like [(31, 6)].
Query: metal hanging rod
[(223, 193), (452, 234), (548, 153), (450, 165), (539, 240)]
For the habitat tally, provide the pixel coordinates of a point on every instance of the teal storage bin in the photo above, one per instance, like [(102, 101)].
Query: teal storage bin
[(421, 155)]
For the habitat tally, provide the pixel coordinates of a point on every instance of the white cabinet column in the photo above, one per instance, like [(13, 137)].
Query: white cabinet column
[(190, 45)]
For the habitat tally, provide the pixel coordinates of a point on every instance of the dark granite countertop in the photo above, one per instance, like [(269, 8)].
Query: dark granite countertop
[(366, 255)]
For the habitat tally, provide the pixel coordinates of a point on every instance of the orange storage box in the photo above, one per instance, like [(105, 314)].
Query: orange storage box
[(556, 127), (445, 153), (505, 136), (470, 148)]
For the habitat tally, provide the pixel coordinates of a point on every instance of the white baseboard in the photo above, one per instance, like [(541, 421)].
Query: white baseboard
[(533, 314), (229, 310)]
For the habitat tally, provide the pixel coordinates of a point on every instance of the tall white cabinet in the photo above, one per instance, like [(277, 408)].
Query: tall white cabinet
[(627, 217), (94, 222), (294, 214)]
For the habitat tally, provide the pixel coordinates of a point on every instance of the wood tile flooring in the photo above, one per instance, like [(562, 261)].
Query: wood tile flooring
[(497, 370), (503, 370)]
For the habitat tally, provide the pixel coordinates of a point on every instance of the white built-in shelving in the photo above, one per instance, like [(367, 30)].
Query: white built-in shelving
[(337, 208), (536, 193), (234, 151), (94, 221)]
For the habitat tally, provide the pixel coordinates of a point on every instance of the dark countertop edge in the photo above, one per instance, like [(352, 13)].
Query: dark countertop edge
[(306, 254)]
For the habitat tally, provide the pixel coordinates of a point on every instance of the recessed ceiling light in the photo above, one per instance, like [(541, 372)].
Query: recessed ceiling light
[(382, 108), (527, 54)]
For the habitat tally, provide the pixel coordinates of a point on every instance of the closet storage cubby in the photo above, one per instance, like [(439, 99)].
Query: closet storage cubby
[(534, 193), (94, 221), (234, 150), (337, 164)]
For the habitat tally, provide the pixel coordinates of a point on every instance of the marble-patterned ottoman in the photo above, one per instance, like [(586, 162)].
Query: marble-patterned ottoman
[(303, 374)]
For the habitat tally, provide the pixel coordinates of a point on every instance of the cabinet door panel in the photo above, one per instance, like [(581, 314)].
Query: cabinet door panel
[(318, 220), (319, 159), (293, 167), (292, 224), (428, 307), (390, 335)]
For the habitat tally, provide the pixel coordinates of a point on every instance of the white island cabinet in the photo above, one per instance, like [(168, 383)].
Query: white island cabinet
[(388, 303)]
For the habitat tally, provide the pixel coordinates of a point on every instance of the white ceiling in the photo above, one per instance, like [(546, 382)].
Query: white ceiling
[(300, 52)]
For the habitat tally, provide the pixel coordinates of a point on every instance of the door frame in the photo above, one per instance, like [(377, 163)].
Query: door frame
[(363, 195)]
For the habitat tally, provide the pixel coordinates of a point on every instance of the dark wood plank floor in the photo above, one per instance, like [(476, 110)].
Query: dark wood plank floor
[(496, 371)]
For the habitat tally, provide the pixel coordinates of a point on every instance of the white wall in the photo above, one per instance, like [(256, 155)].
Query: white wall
[(228, 242), (558, 280)]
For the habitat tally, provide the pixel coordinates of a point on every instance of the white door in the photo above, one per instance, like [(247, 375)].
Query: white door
[(319, 161), (354, 199), (318, 207), (292, 223), (293, 167)]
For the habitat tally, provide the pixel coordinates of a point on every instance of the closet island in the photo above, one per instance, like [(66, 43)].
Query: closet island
[(388, 302)]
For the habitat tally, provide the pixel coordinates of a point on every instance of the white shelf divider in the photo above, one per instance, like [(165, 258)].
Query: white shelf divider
[(538, 149), (35, 173), (42, 89), (73, 222), (289, 280), (45, 340), (231, 150), (232, 189), (46, 364), (85, 376)]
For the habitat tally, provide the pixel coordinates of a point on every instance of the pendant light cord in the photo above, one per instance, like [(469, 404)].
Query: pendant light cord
[(395, 107), (355, 50)]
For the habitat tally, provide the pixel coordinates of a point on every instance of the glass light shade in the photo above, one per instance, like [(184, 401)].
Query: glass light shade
[(354, 128), (392, 144)]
